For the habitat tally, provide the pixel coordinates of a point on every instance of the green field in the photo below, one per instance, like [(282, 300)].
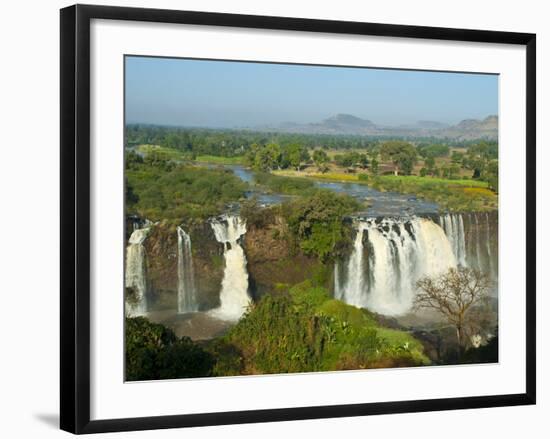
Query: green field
[(168, 153), (451, 195), (414, 179), (237, 160)]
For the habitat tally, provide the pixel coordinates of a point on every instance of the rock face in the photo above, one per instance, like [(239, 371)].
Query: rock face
[(162, 270), (271, 258)]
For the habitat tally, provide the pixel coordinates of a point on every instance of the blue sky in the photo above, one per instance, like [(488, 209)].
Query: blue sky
[(237, 94)]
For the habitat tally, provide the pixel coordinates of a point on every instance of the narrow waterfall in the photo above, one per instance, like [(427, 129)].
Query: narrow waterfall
[(234, 291), (453, 225), (352, 292), (397, 254), (474, 237), (187, 292), (135, 276), (491, 264)]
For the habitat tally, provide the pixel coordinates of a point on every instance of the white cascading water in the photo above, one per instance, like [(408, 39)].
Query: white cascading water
[(453, 225), (234, 291), (187, 292), (352, 292), (488, 246), (477, 235), (399, 252), (135, 276)]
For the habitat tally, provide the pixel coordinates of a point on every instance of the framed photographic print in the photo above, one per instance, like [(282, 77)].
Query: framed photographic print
[(268, 218)]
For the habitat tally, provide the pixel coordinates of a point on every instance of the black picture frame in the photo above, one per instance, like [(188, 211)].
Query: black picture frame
[(75, 217)]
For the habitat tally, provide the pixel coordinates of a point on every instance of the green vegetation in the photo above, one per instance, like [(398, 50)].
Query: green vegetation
[(164, 153), (451, 195), (268, 157), (237, 160), (433, 150), (316, 223), (320, 158), (284, 185), (402, 154), (154, 352), (304, 330), (352, 160), (229, 143), (163, 189)]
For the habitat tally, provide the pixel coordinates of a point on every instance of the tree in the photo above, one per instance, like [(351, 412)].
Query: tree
[(374, 166), (430, 165), (479, 156), (401, 154), (296, 155), (491, 175), (320, 158), (373, 159), (456, 157), (454, 294), (268, 157)]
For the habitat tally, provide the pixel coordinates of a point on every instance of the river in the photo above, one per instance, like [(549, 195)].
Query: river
[(381, 204)]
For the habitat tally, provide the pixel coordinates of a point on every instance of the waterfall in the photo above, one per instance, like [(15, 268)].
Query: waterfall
[(453, 225), (352, 291), (476, 248), (398, 253), (187, 300), (135, 276), (234, 291), (488, 246)]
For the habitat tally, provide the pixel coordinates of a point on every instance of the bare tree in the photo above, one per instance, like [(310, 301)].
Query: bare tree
[(454, 294)]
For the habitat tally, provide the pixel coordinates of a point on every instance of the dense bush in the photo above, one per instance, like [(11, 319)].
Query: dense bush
[(256, 215), (317, 225), (284, 185), (154, 352), (162, 190), (304, 330)]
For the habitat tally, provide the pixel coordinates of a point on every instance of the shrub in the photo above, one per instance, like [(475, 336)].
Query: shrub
[(304, 330), (316, 223), (154, 352)]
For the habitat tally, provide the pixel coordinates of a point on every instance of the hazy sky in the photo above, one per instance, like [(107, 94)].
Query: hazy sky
[(237, 94)]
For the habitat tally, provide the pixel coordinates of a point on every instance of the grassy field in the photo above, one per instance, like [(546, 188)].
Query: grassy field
[(239, 160), (414, 179), (169, 153)]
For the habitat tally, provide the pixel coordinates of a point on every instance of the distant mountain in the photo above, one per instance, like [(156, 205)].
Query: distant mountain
[(347, 121), (468, 129), (431, 124)]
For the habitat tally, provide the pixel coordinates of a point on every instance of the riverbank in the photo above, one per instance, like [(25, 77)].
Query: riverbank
[(452, 195)]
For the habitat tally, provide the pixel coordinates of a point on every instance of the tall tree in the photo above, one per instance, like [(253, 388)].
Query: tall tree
[(320, 158), (401, 154)]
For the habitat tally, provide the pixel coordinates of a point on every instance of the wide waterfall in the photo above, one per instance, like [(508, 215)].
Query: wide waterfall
[(388, 257), (135, 275), (187, 291), (234, 296)]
